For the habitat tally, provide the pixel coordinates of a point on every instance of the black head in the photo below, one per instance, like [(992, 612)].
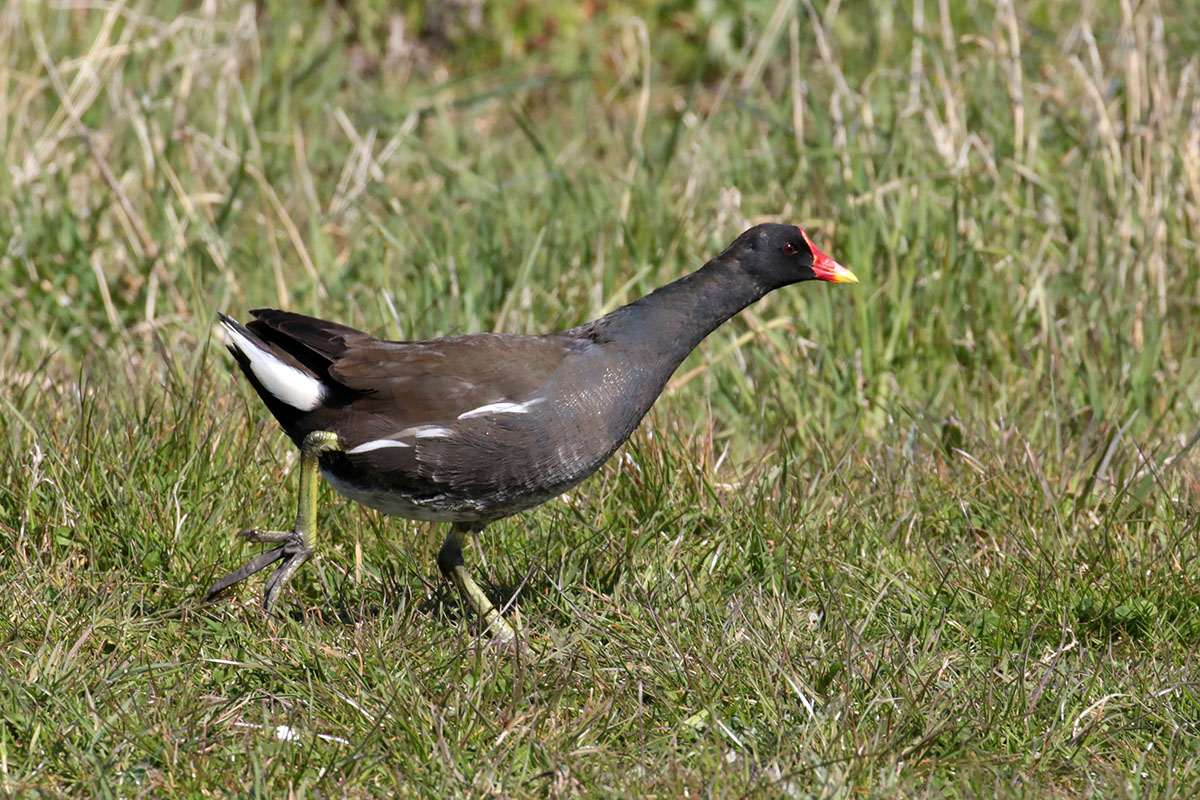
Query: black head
[(778, 255)]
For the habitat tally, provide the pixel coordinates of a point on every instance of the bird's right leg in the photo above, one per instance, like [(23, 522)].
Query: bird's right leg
[(297, 545)]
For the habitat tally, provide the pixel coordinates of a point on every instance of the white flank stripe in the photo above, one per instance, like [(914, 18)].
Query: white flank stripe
[(415, 432), (286, 384), (501, 408), (377, 444), (430, 432)]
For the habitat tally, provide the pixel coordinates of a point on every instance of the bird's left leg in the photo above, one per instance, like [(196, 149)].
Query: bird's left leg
[(297, 545), (450, 560)]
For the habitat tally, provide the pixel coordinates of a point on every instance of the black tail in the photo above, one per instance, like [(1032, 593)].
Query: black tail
[(286, 357)]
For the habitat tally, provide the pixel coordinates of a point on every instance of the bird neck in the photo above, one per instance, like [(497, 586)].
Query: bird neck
[(668, 323)]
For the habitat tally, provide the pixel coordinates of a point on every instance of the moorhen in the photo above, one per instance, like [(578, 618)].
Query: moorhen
[(469, 429)]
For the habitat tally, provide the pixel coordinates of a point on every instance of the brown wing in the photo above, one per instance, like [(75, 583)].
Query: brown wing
[(416, 382), (441, 379)]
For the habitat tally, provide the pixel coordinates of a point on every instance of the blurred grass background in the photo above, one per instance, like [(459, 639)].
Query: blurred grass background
[(933, 535)]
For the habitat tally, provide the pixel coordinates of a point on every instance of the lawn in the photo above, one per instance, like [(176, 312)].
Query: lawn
[(933, 535)]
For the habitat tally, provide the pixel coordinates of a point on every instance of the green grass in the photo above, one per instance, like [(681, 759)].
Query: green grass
[(933, 535)]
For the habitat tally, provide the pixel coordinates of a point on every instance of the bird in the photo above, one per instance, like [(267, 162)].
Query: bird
[(471, 428)]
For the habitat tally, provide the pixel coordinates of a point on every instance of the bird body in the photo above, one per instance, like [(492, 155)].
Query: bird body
[(468, 429)]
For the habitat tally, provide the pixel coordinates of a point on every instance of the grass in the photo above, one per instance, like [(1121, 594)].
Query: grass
[(934, 535)]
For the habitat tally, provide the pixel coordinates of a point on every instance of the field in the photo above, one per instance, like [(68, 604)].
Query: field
[(933, 535)]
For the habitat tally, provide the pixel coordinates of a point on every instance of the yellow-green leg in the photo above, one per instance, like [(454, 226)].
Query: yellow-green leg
[(298, 544), (450, 560)]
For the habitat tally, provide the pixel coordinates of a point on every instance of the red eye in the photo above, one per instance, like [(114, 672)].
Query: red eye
[(789, 249)]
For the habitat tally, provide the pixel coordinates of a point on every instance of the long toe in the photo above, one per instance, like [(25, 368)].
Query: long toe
[(268, 537), (281, 576), (256, 564)]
